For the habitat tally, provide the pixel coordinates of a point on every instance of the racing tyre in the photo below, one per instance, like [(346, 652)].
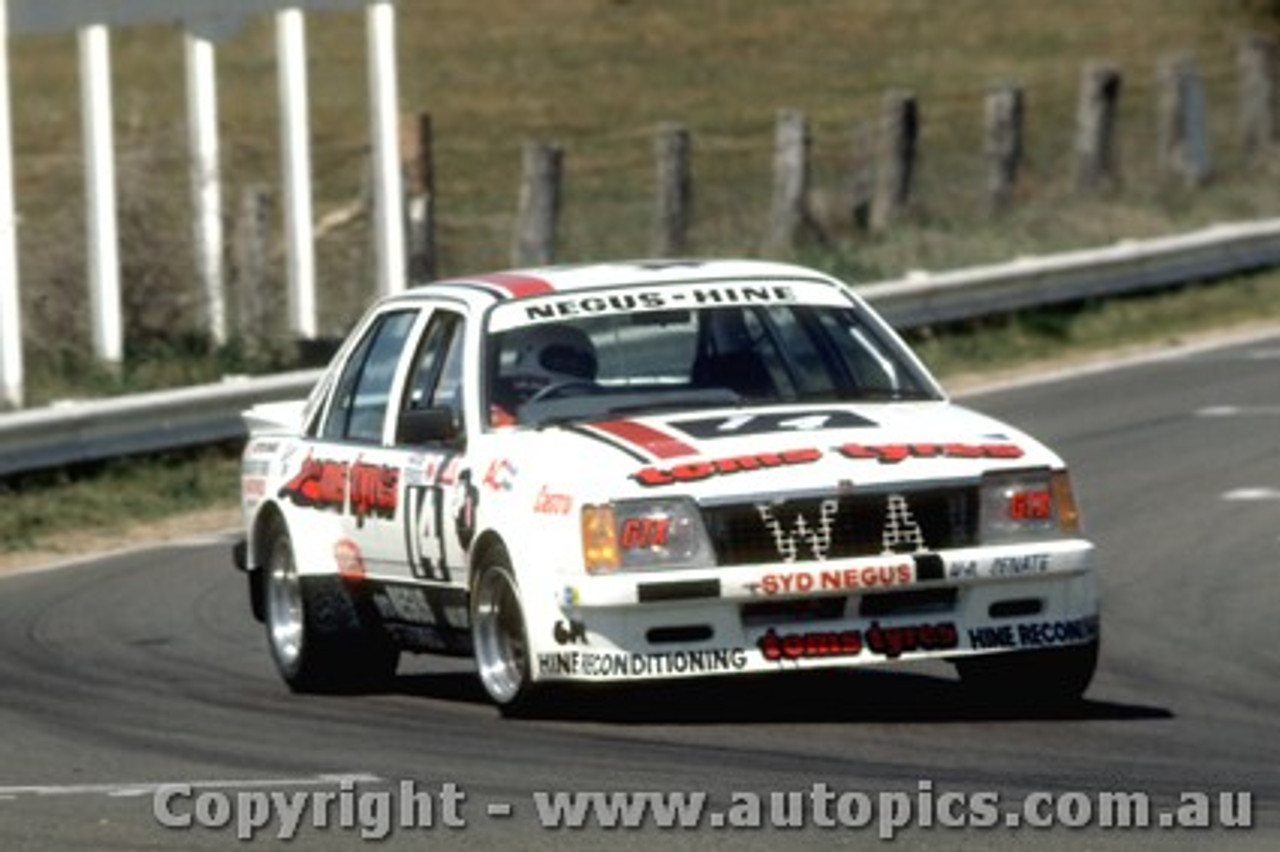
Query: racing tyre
[(500, 637), (315, 633), (1034, 678)]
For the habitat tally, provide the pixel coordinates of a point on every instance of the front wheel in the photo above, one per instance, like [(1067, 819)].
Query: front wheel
[(1045, 677), (499, 635), (315, 634)]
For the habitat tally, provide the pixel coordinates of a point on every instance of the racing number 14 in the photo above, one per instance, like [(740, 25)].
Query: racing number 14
[(425, 532), (763, 424)]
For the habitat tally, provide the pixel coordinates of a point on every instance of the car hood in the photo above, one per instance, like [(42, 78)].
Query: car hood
[(779, 449)]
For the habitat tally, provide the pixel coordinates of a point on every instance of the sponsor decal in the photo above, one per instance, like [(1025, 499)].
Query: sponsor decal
[(901, 533), (349, 558), (589, 305), (695, 471), (787, 526), (500, 476), (895, 453), (549, 503), (1031, 505), (373, 490), (838, 579), (794, 646), (253, 487), (1034, 634), (644, 533), (262, 448), (962, 569), (626, 664), (570, 632), (654, 300), (318, 485), (368, 490), (888, 642), (1014, 566), (892, 642)]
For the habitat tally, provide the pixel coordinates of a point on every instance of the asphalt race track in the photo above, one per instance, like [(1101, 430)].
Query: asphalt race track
[(137, 671)]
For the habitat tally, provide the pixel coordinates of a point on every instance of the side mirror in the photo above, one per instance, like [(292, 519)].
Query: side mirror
[(428, 426)]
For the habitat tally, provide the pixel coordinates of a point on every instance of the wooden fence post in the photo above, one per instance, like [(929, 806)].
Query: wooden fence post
[(896, 158), (675, 191), (1182, 135), (1002, 143), (1096, 113), (416, 153), (538, 211), (250, 258), (862, 176), (790, 220), (1256, 60)]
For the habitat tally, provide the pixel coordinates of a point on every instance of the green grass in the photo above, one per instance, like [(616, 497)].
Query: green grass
[(1156, 319), (42, 509)]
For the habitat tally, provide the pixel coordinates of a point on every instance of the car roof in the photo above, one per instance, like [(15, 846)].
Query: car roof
[(540, 281)]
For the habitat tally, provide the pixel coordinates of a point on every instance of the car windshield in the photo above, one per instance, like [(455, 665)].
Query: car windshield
[(636, 354)]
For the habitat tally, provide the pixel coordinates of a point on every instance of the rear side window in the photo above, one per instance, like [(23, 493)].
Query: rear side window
[(359, 407), (436, 380)]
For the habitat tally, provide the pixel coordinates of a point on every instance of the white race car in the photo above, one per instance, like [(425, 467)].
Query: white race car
[(634, 471)]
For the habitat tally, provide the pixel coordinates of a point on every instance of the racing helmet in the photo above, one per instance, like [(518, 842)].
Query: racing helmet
[(538, 356)]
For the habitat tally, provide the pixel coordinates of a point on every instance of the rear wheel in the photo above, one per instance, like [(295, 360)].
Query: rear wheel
[(1047, 677), (315, 634), (499, 634)]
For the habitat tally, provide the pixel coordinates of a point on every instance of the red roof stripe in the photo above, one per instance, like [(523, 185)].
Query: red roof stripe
[(518, 286), (657, 443)]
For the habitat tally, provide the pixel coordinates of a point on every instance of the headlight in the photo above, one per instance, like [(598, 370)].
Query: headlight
[(1027, 505), (637, 534)]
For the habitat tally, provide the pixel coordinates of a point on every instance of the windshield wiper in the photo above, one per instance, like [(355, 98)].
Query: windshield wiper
[(865, 395), (679, 401)]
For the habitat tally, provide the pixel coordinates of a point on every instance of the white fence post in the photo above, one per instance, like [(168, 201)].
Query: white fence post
[(296, 150), (388, 194), (11, 378), (103, 250), (204, 20), (206, 186)]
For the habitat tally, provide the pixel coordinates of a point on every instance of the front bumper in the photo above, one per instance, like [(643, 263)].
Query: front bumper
[(858, 612)]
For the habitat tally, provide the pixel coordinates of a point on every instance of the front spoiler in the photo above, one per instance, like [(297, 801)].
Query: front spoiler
[(722, 636)]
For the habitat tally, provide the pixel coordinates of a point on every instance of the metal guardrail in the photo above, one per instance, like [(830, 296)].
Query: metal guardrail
[(73, 432), (923, 298), (69, 433)]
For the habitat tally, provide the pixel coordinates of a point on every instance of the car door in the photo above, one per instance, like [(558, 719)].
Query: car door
[(345, 487), (438, 495), (406, 500)]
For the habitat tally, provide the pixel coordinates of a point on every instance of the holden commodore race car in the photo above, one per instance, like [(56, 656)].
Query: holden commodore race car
[(642, 471)]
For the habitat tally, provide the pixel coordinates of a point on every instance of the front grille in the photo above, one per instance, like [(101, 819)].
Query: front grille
[(843, 526)]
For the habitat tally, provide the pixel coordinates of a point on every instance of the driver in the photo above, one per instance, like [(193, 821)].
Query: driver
[(535, 358)]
